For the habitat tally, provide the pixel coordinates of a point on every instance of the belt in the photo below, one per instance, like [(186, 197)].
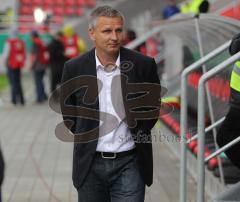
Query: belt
[(113, 155)]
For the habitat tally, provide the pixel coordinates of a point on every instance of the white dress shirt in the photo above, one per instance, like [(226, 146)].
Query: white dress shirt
[(120, 138)]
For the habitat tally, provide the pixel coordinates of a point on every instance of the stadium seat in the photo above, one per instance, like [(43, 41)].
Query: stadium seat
[(70, 3), (80, 2), (59, 2), (80, 11), (58, 10), (233, 12), (26, 10), (43, 29), (48, 3), (47, 8), (70, 10), (26, 2), (24, 29), (37, 2), (22, 19), (90, 3)]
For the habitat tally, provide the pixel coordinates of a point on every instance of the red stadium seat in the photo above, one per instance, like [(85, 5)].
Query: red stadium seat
[(22, 19), (48, 3), (70, 2), (24, 29), (26, 10), (26, 2), (80, 2), (90, 3), (69, 10), (80, 11), (59, 2), (233, 12), (43, 28), (37, 2), (47, 8), (58, 10)]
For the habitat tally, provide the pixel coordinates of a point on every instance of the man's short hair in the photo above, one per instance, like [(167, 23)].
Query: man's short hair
[(103, 11)]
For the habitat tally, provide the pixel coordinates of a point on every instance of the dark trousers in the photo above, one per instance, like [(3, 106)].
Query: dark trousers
[(55, 79), (14, 76), (56, 73), (113, 180), (40, 91), (0, 195), (228, 131)]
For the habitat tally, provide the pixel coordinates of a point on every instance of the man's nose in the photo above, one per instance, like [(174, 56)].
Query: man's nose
[(114, 36)]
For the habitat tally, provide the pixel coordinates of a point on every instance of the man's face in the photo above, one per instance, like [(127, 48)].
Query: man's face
[(107, 35)]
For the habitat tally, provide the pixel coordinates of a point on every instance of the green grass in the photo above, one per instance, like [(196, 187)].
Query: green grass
[(3, 82)]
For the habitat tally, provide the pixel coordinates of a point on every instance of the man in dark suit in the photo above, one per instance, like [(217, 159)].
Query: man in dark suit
[(110, 100)]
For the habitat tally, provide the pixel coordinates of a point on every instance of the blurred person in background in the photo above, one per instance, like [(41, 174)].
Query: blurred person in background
[(170, 10), (56, 59), (14, 56), (6, 18), (9, 16), (1, 173), (130, 36), (73, 44), (39, 61), (195, 6), (230, 128)]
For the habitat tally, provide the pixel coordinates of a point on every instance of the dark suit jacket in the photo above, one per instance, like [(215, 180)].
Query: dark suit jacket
[(141, 69)]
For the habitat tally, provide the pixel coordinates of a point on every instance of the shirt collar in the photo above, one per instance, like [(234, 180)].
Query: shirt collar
[(99, 64)]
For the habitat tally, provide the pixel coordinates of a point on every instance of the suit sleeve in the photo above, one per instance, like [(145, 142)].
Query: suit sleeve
[(152, 77), (66, 101), (155, 79), (153, 73)]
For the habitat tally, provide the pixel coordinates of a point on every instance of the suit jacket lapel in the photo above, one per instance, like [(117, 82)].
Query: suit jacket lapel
[(90, 68), (126, 65)]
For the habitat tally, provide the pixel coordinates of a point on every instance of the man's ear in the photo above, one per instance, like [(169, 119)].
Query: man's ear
[(91, 34)]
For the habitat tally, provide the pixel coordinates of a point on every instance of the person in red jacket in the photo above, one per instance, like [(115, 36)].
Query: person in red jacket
[(14, 56), (39, 61), (73, 44)]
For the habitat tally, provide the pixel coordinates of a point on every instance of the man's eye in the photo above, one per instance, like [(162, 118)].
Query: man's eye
[(106, 31), (119, 30)]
